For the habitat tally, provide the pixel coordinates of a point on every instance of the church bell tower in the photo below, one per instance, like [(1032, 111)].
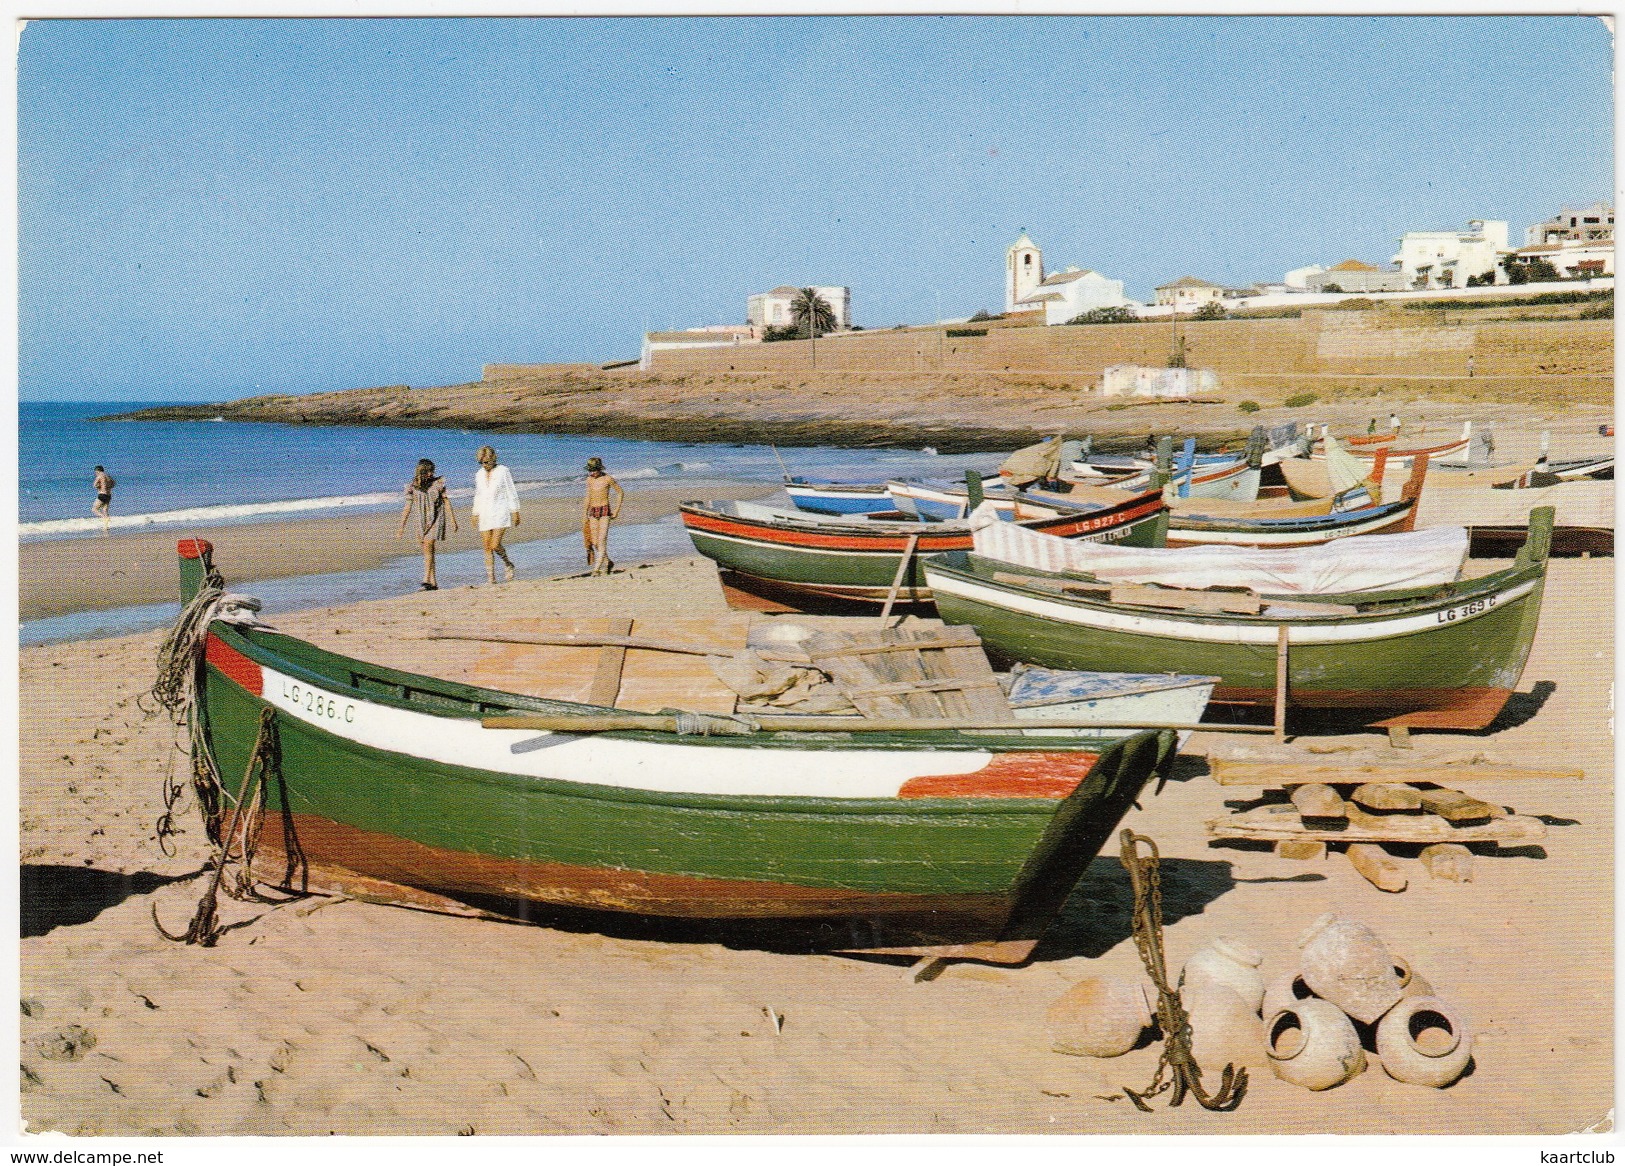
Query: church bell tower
[(1023, 271)]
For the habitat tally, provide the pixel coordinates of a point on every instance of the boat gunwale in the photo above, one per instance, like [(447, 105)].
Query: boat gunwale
[(945, 740), (787, 804), (1179, 521), (1375, 605)]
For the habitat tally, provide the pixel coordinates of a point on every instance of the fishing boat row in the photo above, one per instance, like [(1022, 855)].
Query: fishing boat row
[(937, 808)]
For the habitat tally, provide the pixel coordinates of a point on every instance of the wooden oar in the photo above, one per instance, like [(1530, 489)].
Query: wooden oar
[(668, 723), (897, 579), (582, 640)]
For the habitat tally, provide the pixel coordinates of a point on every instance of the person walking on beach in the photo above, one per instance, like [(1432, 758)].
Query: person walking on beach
[(427, 491), (597, 514), (496, 508), (103, 485)]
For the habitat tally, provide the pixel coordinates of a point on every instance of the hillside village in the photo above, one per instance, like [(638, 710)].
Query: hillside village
[(1573, 249)]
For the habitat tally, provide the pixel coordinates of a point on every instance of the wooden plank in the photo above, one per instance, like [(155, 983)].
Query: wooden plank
[(1276, 822), (606, 682), (1300, 849), (897, 579), (950, 684), (1187, 599), (899, 672), (1456, 807), (1273, 773), (1374, 863), (1282, 672), (1448, 860), (650, 680), (950, 636), (1387, 796), (1319, 801)]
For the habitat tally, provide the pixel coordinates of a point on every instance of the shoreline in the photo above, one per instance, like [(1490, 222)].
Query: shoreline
[(66, 576)]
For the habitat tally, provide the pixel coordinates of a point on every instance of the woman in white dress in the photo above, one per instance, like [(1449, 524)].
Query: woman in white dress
[(496, 508)]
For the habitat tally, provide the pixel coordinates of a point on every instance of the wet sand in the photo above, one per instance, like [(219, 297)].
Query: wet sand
[(335, 1016), (96, 573)]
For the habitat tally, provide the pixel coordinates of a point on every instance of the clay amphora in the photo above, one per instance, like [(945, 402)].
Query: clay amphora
[(1284, 992), (1424, 1041), (1344, 962), (1231, 962), (1099, 1016), (1313, 1044), (1225, 1029)]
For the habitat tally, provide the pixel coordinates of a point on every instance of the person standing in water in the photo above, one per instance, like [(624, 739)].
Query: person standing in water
[(103, 485), (597, 514), (427, 491), (496, 508)]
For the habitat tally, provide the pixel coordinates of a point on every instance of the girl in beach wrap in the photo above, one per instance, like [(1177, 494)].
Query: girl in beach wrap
[(427, 491), (597, 513), (496, 508)]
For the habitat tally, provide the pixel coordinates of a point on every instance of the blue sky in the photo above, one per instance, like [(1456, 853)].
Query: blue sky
[(213, 208)]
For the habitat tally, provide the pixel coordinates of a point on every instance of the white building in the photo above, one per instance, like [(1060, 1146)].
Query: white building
[(1594, 224), (1431, 259), (1061, 296), (1298, 277), (1353, 275), (771, 309), (1189, 293)]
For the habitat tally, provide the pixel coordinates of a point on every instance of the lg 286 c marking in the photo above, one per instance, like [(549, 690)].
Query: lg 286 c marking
[(317, 703)]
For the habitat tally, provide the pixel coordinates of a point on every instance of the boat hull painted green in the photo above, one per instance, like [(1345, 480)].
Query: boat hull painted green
[(1449, 661), (848, 561), (386, 777)]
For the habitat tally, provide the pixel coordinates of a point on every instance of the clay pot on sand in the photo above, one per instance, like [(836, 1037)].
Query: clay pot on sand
[(1284, 992), (1344, 962), (1100, 1016), (1230, 962), (1424, 1041), (1313, 1044), (1225, 1029)]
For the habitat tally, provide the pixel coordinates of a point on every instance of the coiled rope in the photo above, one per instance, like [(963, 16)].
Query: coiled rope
[(174, 691), (1177, 1068)]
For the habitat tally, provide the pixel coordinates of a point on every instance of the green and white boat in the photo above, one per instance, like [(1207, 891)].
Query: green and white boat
[(1427, 649), (411, 789)]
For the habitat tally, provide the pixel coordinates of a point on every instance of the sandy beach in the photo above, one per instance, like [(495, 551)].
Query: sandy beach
[(336, 1016), (94, 573)]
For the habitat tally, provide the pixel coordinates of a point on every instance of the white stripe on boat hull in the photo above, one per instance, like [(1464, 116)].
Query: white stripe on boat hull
[(1344, 630), (593, 759)]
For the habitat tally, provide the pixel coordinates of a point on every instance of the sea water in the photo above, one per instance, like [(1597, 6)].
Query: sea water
[(185, 474)]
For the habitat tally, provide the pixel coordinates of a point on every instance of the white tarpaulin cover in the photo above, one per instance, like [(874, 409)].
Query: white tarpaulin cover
[(1373, 562)]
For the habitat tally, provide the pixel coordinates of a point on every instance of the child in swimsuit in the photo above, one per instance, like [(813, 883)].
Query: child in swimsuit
[(597, 514)]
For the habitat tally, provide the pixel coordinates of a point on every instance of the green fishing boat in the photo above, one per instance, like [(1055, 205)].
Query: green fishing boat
[(1446, 652), (411, 789)]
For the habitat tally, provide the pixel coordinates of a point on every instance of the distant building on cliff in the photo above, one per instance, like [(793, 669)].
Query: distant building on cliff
[(1353, 275), (1061, 296), (1576, 243), (771, 309), (1189, 293), (1450, 258)]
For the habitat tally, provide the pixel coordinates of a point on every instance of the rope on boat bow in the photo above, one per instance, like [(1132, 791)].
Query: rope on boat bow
[(242, 835), (1177, 1069), (175, 691)]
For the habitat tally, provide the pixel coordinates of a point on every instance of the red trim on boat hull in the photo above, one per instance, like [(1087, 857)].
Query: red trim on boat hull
[(1012, 775), (233, 665), (1429, 708), (331, 853)]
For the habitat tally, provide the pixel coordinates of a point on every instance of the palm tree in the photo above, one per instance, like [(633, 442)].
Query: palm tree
[(813, 313)]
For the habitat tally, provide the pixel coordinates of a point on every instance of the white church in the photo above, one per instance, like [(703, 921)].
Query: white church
[(1060, 296)]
